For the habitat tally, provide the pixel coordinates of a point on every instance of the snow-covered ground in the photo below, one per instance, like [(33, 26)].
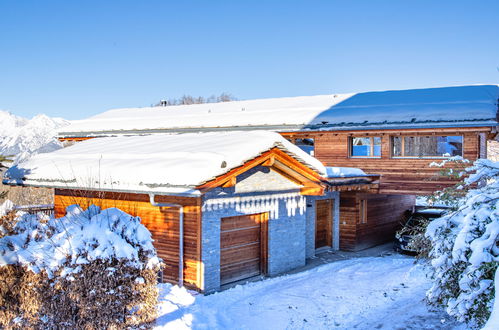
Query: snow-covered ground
[(362, 293), (24, 137)]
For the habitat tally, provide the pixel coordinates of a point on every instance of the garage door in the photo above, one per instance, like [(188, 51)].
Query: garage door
[(243, 247)]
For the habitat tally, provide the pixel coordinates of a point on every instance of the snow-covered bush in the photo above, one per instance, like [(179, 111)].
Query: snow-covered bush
[(465, 251), (90, 269)]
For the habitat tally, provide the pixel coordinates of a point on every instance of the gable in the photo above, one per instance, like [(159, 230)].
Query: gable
[(278, 161), (262, 179)]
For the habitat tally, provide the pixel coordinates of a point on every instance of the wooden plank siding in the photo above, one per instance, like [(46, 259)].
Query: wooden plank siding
[(323, 223), (398, 175), (162, 222), (243, 247), (384, 215)]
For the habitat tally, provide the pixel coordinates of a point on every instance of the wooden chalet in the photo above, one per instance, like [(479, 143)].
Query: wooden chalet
[(221, 206), (394, 134), (391, 137)]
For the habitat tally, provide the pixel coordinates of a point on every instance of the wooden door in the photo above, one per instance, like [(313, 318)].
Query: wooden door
[(243, 247), (323, 223)]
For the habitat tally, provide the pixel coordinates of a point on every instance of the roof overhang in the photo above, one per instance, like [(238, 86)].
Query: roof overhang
[(342, 127), (279, 161), (366, 182)]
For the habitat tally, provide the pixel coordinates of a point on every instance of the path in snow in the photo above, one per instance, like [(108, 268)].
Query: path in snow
[(363, 293)]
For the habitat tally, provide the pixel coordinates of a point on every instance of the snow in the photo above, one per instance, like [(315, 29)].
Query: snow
[(342, 172), (433, 211), (445, 106), (493, 322), (363, 293), (159, 163), (6, 207), (77, 238), (464, 247), (274, 111), (417, 106), (23, 137)]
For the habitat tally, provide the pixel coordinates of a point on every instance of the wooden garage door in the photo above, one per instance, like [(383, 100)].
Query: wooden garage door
[(243, 247), (323, 223)]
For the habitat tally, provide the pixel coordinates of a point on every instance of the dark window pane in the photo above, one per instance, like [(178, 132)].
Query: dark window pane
[(410, 146), (431, 146), (428, 146), (397, 146)]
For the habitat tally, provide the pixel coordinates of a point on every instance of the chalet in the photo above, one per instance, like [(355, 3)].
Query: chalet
[(221, 206), (389, 137)]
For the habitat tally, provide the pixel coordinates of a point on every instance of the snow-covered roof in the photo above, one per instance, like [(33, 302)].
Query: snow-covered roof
[(344, 172), (459, 106), (159, 163)]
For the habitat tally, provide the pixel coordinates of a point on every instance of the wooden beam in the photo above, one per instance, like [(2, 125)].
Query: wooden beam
[(230, 183), (269, 162), (312, 191)]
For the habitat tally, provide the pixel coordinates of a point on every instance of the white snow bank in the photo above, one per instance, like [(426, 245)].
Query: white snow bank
[(363, 293), (454, 106), (493, 322), (77, 238), (6, 207), (154, 163), (23, 137), (343, 172)]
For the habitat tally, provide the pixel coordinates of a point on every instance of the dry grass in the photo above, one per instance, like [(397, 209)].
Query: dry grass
[(94, 298), (28, 195)]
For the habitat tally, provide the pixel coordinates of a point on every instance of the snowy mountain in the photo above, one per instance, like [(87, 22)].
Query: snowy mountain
[(22, 137)]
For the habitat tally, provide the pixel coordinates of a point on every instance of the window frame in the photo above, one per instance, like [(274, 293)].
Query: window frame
[(371, 138), (402, 147), (362, 212)]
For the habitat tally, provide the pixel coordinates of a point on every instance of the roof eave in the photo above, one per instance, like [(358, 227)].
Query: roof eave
[(191, 191)]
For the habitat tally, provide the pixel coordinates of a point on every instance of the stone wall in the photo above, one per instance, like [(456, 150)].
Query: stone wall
[(258, 190), (310, 215)]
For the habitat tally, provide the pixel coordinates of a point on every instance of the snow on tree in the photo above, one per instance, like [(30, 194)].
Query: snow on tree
[(465, 252)]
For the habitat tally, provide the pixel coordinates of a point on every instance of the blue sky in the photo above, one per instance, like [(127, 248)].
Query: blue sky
[(74, 59)]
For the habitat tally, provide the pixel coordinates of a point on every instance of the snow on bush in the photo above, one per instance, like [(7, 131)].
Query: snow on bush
[(78, 238), (100, 265), (465, 251)]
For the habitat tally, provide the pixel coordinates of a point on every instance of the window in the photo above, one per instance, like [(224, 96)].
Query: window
[(362, 211), (365, 146), (427, 146), (306, 144)]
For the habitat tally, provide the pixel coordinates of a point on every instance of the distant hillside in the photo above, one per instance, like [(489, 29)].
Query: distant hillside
[(22, 137)]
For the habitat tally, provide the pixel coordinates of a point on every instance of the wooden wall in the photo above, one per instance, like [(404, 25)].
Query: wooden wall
[(162, 222), (398, 176), (385, 214)]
